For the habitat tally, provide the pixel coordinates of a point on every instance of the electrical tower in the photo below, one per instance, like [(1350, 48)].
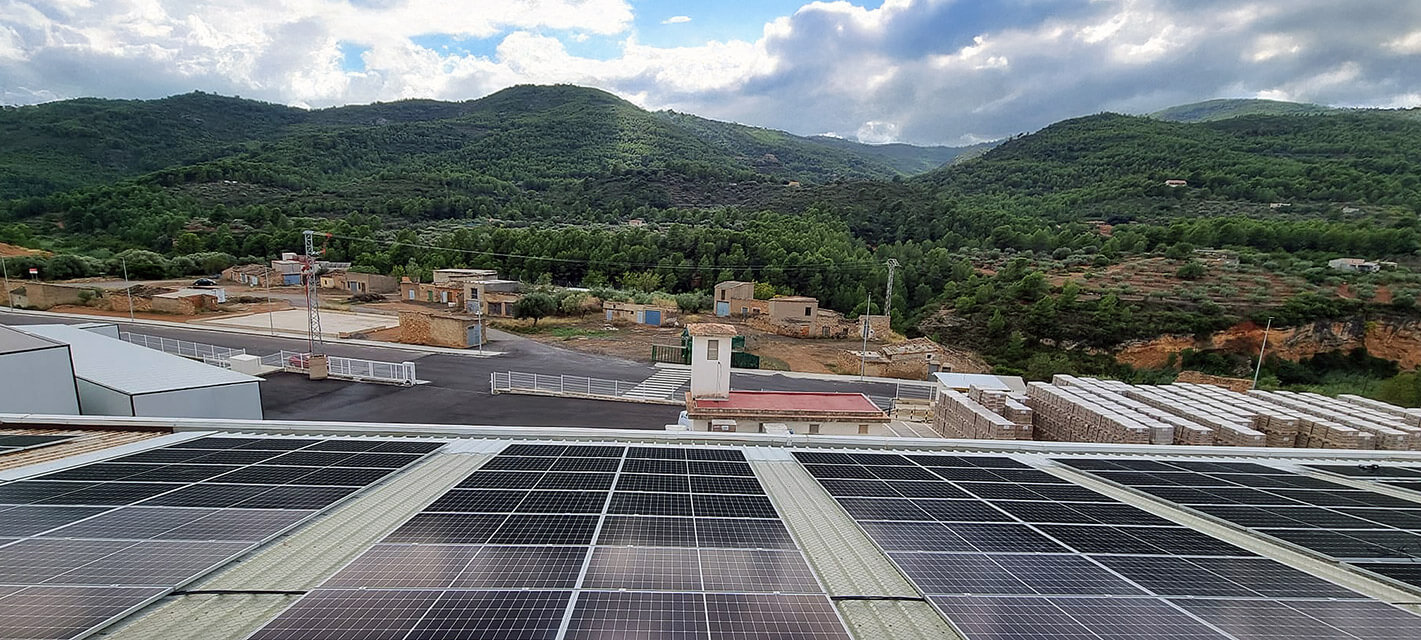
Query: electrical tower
[(314, 343), (888, 299)]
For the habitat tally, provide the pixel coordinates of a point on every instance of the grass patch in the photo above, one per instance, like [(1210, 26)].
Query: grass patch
[(773, 364), (568, 333)]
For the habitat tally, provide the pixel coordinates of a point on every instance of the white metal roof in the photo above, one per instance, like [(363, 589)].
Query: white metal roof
[(131, 369), (981, 380), (15, 341)]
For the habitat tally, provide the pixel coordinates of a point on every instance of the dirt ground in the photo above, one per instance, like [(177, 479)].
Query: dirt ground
[(227, 310), (634, 342)]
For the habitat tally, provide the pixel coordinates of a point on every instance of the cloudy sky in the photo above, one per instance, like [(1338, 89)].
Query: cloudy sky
[(920, 71)]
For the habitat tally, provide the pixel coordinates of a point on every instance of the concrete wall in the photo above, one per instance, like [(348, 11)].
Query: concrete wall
[(240, 401), (38, 295), (822, 428), (39, 381), (739, 291), (436, 330), (793, 309)]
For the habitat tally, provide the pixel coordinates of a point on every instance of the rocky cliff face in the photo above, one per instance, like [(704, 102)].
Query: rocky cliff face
[(1391, 338)]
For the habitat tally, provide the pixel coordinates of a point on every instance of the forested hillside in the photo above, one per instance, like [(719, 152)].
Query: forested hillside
[(1043, 253)]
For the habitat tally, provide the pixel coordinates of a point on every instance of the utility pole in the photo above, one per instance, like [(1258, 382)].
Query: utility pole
[(863, 355), (1259, 369), (9, 302), (127, 288), (888, 298), (314, 342)]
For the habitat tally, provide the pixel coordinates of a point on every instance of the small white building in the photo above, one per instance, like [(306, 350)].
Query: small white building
[(964, 381), (1354, 265), (36, 375), (712, 406), (115, 378)]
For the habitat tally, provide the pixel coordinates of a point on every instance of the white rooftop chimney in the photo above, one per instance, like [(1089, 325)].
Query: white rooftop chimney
[(710, 359)]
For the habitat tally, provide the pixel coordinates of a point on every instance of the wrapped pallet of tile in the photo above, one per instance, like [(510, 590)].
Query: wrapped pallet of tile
[(1228, 429), (958, 416), (1409, 416), (1278, 425), (1074, 414), (1373, 431), (1162, 430), (1335, 430), (1020, 415), (1186, 431), (1411, 434)]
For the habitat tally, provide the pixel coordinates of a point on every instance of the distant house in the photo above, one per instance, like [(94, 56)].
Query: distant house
[(355, 282), (251, 275), (1176, 183), (647, 314), (1353, 265), (734, 297)]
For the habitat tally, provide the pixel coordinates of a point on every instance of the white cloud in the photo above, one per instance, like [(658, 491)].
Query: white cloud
[(926, 71)]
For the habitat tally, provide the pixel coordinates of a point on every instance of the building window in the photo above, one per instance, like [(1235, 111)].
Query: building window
[(863, 429), (712, 350), (813, 429), (806, 311)]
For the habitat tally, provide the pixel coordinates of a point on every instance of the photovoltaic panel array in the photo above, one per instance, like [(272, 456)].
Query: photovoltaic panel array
[(1392, 476), (83, 546), (18, 442), (1366, 529), (581, 541), (1007, 551)]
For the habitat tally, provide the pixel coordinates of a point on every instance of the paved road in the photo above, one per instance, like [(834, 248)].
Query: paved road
[(458, 389)]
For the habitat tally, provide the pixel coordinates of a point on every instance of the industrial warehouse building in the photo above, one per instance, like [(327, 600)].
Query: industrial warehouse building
[(35, 375), (222, 530), (115, 378)]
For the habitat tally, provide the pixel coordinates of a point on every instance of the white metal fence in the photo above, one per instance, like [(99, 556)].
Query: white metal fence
[(402, 373), (516, 381), (184, 348)]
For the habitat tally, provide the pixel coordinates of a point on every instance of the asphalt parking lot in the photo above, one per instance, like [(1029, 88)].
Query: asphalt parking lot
[(458, 388)]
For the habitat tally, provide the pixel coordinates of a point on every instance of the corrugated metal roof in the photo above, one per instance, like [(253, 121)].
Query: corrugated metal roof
[(982, 380), (15, 341), (132, 369), (88, 441)]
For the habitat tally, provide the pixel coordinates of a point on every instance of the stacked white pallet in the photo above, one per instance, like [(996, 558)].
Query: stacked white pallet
[(1075, 414), (1411, 417), (1168, 425), (959, 416), (1279, 425), (1341, 430), (1228, 428), (1387, 431)]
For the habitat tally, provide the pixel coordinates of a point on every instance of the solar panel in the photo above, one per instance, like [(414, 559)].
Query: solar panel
[(16, 442), (673, 541), (647, 531), (1348, 524), (1032, 556), (601, 615), (644, 569), (107, 537), (57, 612)]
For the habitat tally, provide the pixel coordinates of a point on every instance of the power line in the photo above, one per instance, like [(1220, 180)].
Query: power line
[(630, 265)]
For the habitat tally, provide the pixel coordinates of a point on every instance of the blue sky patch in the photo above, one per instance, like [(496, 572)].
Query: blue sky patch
[(350, 59), (723, 20)]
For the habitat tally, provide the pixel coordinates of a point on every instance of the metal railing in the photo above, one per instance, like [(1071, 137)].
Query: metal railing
[(356, 369), (184, 348), (516, 382)]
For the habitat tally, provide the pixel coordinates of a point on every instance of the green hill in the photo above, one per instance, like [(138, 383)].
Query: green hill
[(1223, 109), (1367, 157), (522, 134)]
